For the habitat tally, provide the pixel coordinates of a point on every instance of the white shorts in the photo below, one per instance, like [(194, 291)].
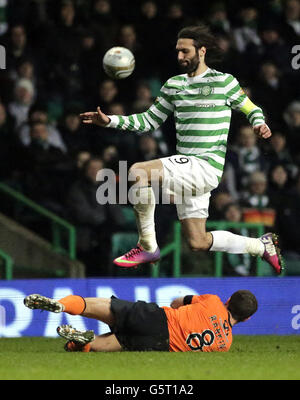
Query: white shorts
[(189, 181)]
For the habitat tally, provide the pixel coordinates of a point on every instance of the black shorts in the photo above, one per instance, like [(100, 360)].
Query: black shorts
[(140, 326)]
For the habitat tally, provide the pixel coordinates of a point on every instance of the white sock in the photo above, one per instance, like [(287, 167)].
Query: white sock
[(236, 244), (144, 211)]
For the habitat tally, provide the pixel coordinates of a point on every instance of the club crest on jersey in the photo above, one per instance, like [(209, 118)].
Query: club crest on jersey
[(206, 90)]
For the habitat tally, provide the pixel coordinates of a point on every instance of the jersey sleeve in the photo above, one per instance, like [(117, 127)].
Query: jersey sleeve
[(149, 120), (238, 100)]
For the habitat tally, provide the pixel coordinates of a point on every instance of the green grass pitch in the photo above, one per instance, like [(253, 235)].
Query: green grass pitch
[(250, 358)]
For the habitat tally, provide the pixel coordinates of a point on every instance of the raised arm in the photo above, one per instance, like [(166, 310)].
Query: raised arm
[(147, 121)]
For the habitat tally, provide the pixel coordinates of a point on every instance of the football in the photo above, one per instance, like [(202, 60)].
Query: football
[(118, 62)]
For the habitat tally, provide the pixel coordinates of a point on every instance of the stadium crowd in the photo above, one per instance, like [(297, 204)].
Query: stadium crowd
[(54, 53)]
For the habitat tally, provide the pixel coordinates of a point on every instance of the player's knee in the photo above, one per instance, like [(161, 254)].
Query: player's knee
[(199, 243)]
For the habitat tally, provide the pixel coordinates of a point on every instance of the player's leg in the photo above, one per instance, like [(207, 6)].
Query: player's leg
[(174, 174), (89, 307), (193, 213), (107, 342), (198, 239), (194, 231), (144, 177)]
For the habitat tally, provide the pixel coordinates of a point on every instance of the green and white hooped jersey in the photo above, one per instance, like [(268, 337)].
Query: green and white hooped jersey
[(202, 109)]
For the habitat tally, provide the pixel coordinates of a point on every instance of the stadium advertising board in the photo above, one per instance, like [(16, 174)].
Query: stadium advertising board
[(278, 298)]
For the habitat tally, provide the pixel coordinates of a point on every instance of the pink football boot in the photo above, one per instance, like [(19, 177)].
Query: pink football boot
[(272, 252), (137, 256)]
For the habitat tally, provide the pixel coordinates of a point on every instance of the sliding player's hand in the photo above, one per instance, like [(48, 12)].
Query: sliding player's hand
[(96, 118), (262, 131), (178, 302)]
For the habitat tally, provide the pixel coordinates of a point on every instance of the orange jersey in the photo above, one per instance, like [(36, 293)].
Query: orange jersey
[(202, 325)]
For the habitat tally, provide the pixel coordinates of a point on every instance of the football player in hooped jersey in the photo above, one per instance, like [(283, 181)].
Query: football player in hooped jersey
[(201, 100), (192, 323)]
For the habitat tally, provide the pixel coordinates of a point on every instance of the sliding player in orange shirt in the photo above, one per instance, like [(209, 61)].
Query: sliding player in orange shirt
[(192, 323)]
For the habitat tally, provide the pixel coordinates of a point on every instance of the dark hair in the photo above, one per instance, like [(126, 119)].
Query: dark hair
[(242, 304), (88, 162), (37, 107), (229, 205), (202, 36), (33, 124)]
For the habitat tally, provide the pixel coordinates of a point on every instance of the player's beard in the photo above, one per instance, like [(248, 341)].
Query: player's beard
[(191, 65)]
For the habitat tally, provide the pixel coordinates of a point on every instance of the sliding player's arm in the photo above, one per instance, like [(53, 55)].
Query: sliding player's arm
[(238, 100), (189, 299), (147, 121), (178, 302)]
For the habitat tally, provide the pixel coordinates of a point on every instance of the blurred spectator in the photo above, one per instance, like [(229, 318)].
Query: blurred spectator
[(143, 99), (219, 200), (39, 113), (232, 212), (218, 19), (107, 94), (104, 24), (81, 158), (288, 220), (256, 196), (272, 48), (236, 264), (8, 142), (246, 31), (250, 158), (175, 19), (90, 66), (278, 185), (291, 21), (25, 69), (127, 37), (279, 154), (46, 169), (74, 134), (229, 179), (292, 118), (116, 109), (125, 142), (110, 157), (272, 91), (256, 201), (3, 17), (148, 148), (142, 102), (64, 72), (149, 25), (23, 99), (230, 56), (95, 223), (17, 48)]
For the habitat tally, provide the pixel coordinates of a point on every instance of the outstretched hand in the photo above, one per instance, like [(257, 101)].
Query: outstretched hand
[(96, 118), (262, 131)]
